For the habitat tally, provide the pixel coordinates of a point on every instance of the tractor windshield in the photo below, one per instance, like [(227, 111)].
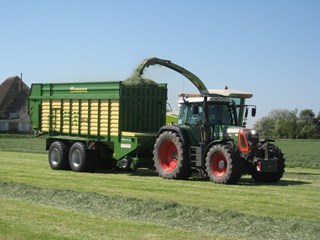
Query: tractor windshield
[(218, 114)]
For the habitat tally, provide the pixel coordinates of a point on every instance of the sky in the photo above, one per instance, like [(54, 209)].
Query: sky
[(270, 48)]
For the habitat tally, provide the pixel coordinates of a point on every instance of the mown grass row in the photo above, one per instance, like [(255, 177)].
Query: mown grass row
[(246, 197), (167, 214), (27, 220)]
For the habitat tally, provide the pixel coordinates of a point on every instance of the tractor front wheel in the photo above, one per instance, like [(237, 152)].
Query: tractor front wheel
[(271, 177), (170, 157), (223, 164)]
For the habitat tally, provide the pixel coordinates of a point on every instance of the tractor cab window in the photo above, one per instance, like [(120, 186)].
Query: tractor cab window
[(195, 114), (220, 114), (191, 114)]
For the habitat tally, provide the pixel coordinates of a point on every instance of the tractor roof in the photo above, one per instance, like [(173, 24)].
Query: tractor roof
[(216, 94), (230, 93)]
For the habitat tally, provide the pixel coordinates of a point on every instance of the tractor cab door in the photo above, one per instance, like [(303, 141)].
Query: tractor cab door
[(191, 117)]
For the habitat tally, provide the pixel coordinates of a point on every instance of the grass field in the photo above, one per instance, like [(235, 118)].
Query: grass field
[(301, 153), (39, 203)]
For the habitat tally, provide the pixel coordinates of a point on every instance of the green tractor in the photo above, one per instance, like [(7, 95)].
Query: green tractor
[(210, 137)]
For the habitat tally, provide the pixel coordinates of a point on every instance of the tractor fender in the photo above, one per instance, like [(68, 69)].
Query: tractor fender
[(173, 128), (214, 142)]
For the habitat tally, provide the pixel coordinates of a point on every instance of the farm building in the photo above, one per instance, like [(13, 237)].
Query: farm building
[(14, 106)]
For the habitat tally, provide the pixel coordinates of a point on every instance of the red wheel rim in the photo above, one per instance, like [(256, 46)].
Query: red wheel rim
[(168, 154), (218, 164)]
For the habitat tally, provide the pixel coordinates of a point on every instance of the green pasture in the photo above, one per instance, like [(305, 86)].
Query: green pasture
[(301, 153), (298, 153), (39, 203)]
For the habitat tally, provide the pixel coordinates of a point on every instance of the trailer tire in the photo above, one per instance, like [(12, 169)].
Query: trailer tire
[(58, 156), (79, 158), (223, 164), (170, 157), (272, 177), (124, 165)]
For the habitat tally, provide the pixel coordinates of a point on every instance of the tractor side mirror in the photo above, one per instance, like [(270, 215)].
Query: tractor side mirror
[(253, 112)]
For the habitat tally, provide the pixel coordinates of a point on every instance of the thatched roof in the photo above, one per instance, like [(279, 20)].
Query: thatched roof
[(14, 95)]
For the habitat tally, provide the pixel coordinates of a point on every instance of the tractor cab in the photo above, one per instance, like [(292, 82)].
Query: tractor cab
[(214, 116), (220, 111), (238, 98)]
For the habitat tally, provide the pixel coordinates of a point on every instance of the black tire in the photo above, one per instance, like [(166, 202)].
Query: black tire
[(124, 165), (80, 159), (170, 157), (272, 177), (58, 156), (223, 164)]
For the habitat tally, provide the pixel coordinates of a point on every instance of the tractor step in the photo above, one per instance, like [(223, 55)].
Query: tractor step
[(195, 158)]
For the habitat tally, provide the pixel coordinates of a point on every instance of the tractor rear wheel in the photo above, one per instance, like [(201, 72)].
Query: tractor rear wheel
[(274, 152), (170, 157), (223, 164), (58, 156)]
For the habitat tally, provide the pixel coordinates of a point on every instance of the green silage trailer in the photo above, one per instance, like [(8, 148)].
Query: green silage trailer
[(88, 125)]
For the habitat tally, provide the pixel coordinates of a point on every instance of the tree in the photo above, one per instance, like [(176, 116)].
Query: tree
[(279, 123), (286, 124), (307, 123), (265, 127), (317, 130)]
